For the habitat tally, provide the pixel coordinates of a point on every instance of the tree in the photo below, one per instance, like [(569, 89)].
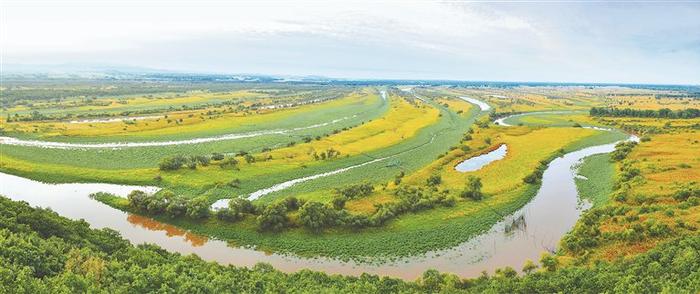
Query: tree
[(249, 158), (137, 199), (549, 262), (472, 189), (217, 156), (172, 163), (529, 266), (177, 206), (241, 205), (229, 215), (316, 216), (198, 207), (228, 162), (156, 204), (434, 180), (339, 202), (273, 217)]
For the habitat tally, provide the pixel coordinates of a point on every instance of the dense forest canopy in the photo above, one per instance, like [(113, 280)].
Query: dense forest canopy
[(43, 252)]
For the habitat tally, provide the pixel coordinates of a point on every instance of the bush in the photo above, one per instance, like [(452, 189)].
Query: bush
[(249, 158), (434, 180), (473, 189), (198, 208), (622, 149), (201, 159), (229, 215), (356, 191), (172, 163), (228, 162), (273, 217), (315, 216), (217, 156), (177, 207), (241, 205), (138, 199), (339, 202)]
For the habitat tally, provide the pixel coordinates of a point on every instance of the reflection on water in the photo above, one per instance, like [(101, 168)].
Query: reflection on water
[(170, 230), (517, 224), (525, 234)]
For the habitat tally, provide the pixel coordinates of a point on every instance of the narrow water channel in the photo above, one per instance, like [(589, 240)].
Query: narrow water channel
[(535, 228), (477, 162), (118, 145)]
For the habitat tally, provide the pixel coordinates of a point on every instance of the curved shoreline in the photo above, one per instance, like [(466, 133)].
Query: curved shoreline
[(501, 121), (482, 105), (522, 235), (120, 145), (4, 140), (535, 227)]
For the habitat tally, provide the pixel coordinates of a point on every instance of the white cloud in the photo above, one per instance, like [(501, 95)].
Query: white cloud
[(391, 39), (80, 26)]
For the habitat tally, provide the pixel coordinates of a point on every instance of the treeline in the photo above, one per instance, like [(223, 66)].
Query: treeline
[(42, 252), (661, 113), (312, 215), (635, 212), (536, 176), (179, 161)]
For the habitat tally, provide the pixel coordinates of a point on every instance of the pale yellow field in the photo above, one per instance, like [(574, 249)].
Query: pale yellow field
[(650, 102), (178, 122), (526, 148), (401, 122)]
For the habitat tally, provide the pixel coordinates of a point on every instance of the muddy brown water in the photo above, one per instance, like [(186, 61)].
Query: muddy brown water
[(535, 228)]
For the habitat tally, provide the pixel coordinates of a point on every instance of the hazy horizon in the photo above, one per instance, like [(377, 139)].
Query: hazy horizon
[(570, 42)]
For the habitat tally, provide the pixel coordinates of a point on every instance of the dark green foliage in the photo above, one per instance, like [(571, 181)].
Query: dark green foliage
[(241, 205), (217, 156), (167, 202), (355, 191), (622, 149), (228, 162), (177, 207), (328, 154), (316, 216), (434, 180), (549, 262), (198, 207), (137, 199), (339, 202), (292, 203), (249, 158), (536, 175), (229, 215), (398, 178), (173, 162), (41, 252), (200, 159), (235, 183), (472, 190), (661, 113), (273, 217)]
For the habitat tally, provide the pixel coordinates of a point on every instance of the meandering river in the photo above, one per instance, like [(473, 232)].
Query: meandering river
[(535, 228)]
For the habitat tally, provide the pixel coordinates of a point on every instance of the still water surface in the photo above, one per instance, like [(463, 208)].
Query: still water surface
[(535, 228)]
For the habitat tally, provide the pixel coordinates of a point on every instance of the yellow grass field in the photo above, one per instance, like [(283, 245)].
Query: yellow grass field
[(178, 122), (526, 148)]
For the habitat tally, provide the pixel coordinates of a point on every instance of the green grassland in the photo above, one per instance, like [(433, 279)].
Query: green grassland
[(433, 132), (410, 234), (597, 186)]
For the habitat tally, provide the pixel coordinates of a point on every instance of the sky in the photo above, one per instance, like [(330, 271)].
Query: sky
[(547, 41)]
